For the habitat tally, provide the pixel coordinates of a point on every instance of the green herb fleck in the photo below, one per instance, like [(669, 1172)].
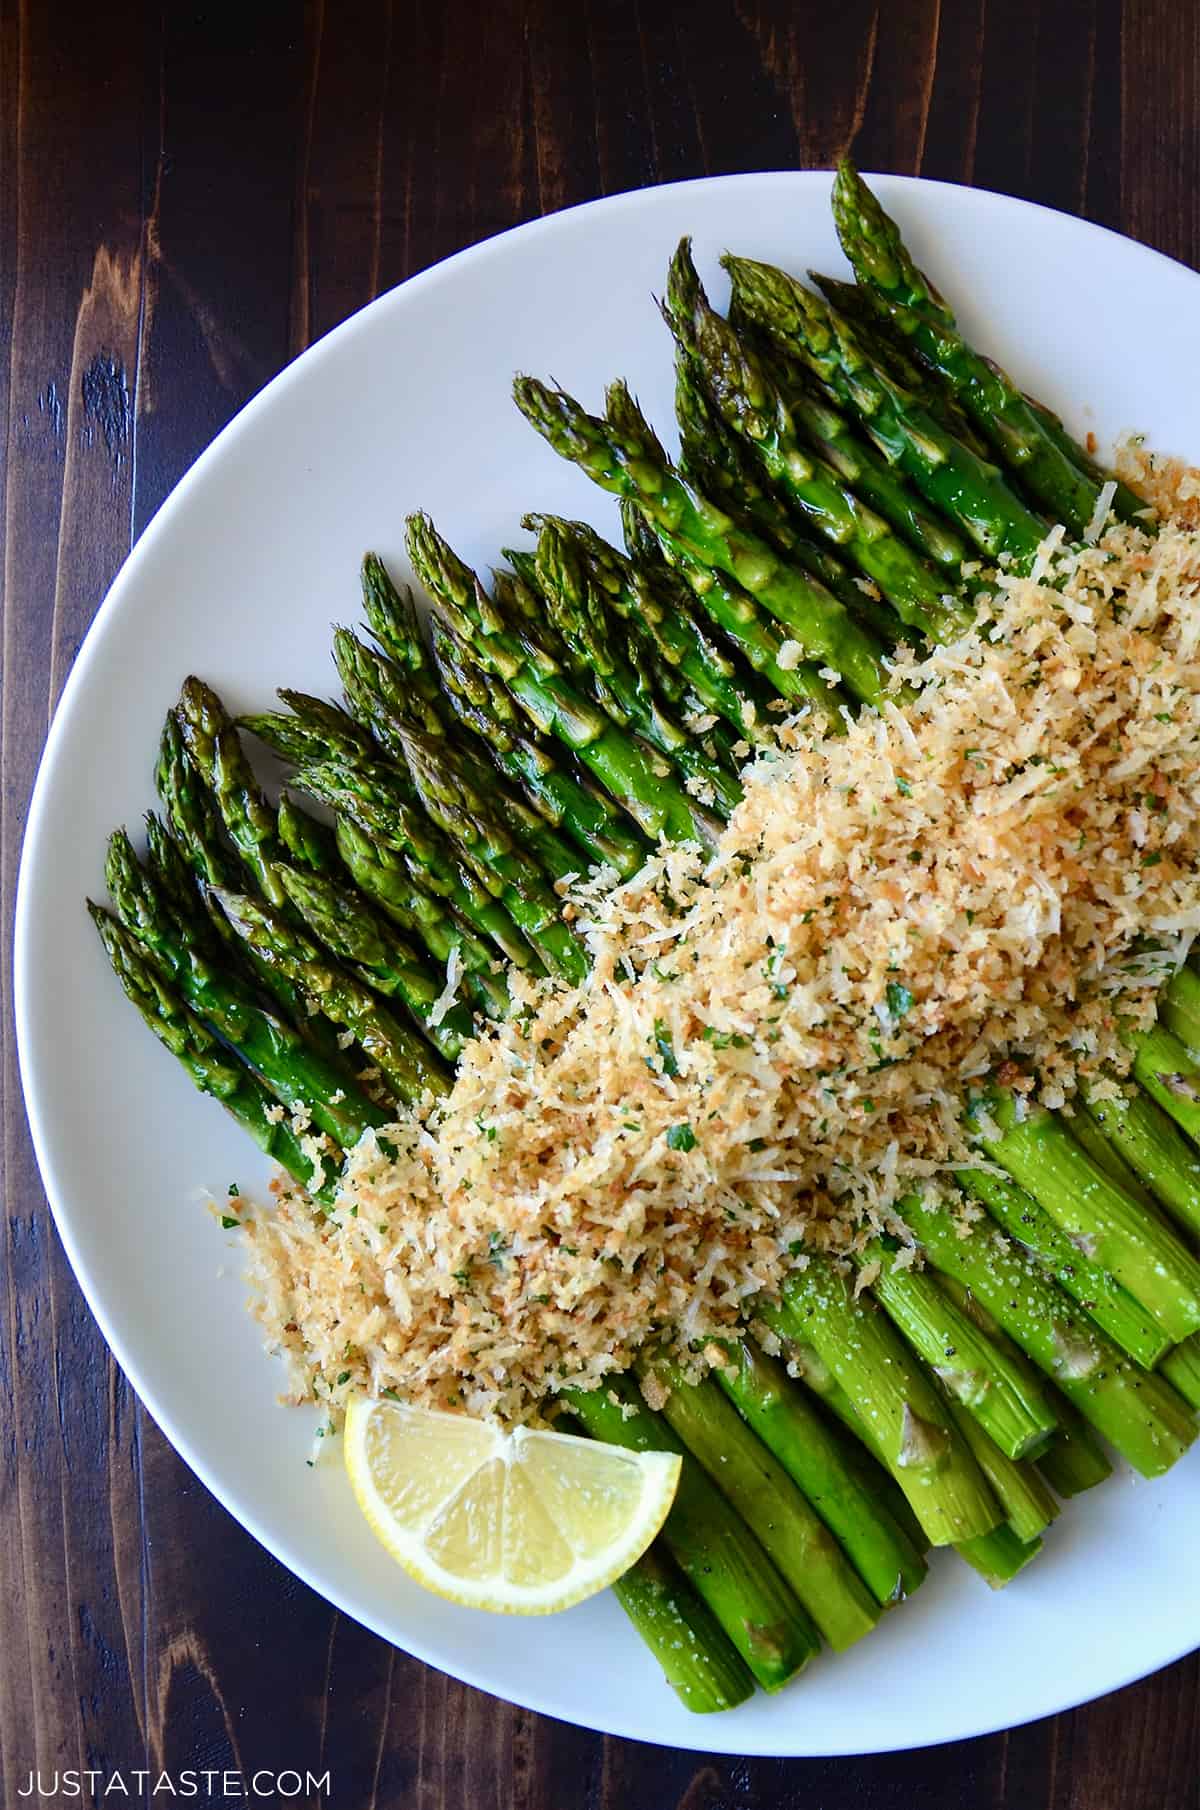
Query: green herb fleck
[(665, 1047)]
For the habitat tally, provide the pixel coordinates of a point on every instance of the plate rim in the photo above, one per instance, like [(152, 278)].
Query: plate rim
[(123, 584)]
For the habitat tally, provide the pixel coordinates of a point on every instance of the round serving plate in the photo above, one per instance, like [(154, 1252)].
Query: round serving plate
[(238, 578)]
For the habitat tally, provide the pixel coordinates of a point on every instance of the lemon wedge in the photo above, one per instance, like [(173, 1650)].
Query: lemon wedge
[(522, 1523)]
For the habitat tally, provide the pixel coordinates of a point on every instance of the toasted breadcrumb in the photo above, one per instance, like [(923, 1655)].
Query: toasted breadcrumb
[(778, 1040)]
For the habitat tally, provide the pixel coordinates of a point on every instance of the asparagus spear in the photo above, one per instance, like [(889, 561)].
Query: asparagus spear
[(830, 434), (463, 697), (377, 698), (295, 1072), (310, 729), (715, 1551), (998, 1556), (1181, 1368), (1142, 1253), (1136, 1412), (909, 1424), (1167, 1070), (911, 307), (402, 1057), (808, 1367), (686, 520), (714, 458), (211, 739), (198, 816), (310, 844), (384, 878), (636, 778), (463, 815), (1106, 1156), (856, 461), (1074, 1461), (971, 491), (814, 1456), (698, 1660), (340, 918), (890, 350), (377, 799), (747, 399), (1028, 1506), (554, 783), (788, 1528), (998, 1390), (1147, 1139), (739, 617), (659, 608), (1112, 1308), (577, 609), (211, 1066)]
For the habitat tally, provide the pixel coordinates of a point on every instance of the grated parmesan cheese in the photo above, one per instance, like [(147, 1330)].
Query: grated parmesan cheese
[(777, 1042)]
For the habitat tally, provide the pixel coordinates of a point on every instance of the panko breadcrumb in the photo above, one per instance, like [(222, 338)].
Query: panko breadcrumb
[(779, 1039)]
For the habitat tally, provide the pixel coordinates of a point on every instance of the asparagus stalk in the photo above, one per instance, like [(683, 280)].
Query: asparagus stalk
[(1056, 473), (814, 1456), (859, 465), (552, 782), (1181, 1368), (375, 692), (386, 881), (1074, 1453), (209, 1064), (782, 1519), (739, 617), (310, 845), (971, 491), (749, 402), (1074, 1461), (1142, 1253), (402, 1057), (687, 520), (715, 459), (211, 739), (375, 798), (1104, 1153), (997, 1388), (577, 609), (1028, 1505), (1112, 1308), (722, 1560), (1166, 1069), (659, 611), (908, 1422), (199, 816), (637, 779), (341, 919), (296, 1073), (1136, 1412), (1146, 1138), (998, 1556), (890, 350), (310, 729), (464, 698), (698, 1660), (463, 815)]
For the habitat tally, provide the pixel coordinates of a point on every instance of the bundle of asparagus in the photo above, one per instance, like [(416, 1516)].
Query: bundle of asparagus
[(843, 460)]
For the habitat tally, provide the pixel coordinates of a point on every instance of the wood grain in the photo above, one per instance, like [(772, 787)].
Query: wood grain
[(188, 197)]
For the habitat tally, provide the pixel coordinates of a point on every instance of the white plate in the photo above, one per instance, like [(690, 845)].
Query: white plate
[(238, 578)]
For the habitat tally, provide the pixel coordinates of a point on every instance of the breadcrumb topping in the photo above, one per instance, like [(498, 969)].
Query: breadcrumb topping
[(778, 1040)]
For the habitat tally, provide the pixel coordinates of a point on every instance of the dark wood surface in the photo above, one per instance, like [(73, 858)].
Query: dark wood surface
[(190, 194)]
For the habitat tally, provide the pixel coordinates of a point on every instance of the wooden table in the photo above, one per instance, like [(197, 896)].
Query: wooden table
[(191, 194)]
